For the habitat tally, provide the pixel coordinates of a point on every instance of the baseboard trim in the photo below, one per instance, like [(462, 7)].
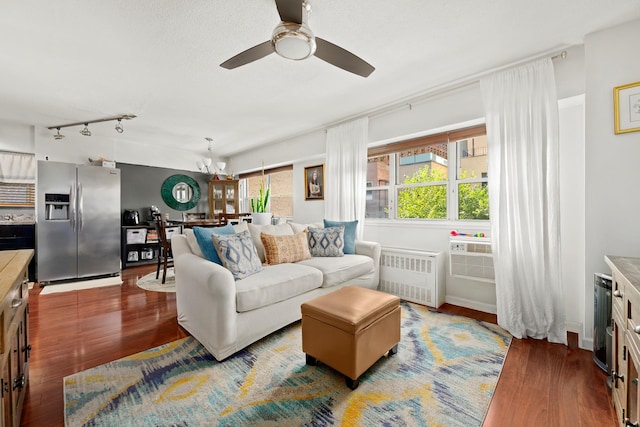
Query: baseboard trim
[(474, 305)]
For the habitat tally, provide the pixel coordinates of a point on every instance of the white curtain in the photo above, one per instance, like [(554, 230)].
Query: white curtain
[(346, 172), (522, 130), (17, 168)]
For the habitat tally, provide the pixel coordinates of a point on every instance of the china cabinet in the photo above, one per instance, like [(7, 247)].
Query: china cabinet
[(223, 198)]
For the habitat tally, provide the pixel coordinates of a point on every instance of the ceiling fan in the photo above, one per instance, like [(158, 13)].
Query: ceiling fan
[(293, 39)]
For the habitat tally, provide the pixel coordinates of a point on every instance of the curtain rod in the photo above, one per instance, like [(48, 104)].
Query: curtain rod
[(442, 89)]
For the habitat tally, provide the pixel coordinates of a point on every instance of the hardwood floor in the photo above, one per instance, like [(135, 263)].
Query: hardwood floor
[(542, 384)]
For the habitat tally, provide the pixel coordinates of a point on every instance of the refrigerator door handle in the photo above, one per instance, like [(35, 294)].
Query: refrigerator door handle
[(80, 207), (72, 217)]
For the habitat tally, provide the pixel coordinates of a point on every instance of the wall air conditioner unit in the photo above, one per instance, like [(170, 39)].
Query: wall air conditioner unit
[(471, 258)]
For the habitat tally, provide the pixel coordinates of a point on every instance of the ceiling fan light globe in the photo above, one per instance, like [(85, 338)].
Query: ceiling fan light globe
[(293, 41)]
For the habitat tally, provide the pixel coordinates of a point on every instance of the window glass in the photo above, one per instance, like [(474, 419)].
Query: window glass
[(377, 203), (427, 178), (473, 201), (280, 184)]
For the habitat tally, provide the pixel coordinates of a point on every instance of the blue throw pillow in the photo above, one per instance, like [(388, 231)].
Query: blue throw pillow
[(349, 233), (203, 237)]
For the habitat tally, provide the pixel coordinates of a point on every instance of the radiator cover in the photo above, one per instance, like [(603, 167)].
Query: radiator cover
[(416, 276)]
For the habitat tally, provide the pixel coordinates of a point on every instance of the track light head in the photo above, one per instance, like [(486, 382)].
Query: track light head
[(85, 131), (119, 127), (58, 136)]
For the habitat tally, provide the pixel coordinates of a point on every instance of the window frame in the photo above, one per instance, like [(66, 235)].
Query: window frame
[(453, 139)]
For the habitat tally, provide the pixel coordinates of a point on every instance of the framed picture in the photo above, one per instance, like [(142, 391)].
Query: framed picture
[(626, 108), (314, 182)]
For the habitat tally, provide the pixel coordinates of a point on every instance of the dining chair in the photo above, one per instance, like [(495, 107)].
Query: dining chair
[(165, 256)]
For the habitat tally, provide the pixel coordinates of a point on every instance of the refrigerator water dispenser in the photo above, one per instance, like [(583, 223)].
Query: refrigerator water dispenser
[(56, 207)]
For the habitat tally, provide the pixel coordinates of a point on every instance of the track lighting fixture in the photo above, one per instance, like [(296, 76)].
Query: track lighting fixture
[(86, 132), (58, 136)]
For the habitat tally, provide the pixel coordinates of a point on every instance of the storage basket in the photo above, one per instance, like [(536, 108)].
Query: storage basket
[(146, 253), (136, 235), (132, 256), (171, 231)]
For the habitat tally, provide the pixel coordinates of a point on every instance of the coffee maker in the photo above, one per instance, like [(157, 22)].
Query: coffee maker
[(131, 217)]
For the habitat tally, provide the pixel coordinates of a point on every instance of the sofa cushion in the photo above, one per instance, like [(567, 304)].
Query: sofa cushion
[(337, 270), (326, 242), (275, 283), (276, 230), (193, 242), (281, 249), (296, 227), (349, 233), (203, 236), (238, 254)]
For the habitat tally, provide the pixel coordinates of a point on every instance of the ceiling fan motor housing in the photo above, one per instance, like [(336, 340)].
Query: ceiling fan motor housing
[(293, 41)]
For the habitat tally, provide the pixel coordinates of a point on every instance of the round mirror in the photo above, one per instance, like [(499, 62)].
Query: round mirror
[(180, 192)]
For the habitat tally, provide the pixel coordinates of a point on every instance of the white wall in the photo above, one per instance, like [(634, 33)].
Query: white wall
[(612, 202), (572, 221), (75, 148), (16, 137)]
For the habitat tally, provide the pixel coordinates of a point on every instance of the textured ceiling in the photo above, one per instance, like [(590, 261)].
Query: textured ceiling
[(73, 60)]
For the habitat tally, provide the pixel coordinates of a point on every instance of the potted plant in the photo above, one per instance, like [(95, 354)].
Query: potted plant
[(259, 214)]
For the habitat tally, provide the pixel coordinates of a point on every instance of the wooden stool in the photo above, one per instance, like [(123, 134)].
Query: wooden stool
[(350, 329)]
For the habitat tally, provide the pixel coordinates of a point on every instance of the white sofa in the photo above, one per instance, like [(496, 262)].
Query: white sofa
[(225, 315)]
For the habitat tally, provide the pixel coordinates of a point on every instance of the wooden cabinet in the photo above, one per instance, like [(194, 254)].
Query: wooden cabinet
[(223, 198), (626, 338), (14, 327)]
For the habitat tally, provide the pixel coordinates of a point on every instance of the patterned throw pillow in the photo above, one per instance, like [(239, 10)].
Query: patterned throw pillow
[(326, 241), (281, 249), (349, 233), (238, 254)]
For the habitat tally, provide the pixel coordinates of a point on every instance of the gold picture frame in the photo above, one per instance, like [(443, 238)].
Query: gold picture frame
[(626, 108), (314, 185)]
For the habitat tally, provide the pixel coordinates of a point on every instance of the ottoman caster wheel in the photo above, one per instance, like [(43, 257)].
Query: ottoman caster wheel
[(393, 350), (311, 361), (351, 383)]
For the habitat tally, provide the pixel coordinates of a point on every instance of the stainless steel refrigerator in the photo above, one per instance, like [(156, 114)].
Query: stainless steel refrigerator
[(78, 221)]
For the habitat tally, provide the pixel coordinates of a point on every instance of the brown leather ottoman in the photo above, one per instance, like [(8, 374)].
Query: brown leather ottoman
[(350, 329)]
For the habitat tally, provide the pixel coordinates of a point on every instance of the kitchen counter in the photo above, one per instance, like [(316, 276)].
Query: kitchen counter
[(19, 236)]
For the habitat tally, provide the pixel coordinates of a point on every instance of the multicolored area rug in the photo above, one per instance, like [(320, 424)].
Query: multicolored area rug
[(444, 374)]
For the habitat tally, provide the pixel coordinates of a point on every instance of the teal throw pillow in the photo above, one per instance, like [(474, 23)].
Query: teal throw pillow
[(203, 237), (238, 254), (326, 241), (349, 233)]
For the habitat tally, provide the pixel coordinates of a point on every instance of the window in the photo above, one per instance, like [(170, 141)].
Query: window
[(420, 179), (280, 184)]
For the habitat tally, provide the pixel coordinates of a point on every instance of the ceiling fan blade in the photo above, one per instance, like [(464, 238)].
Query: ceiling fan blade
[(249, 55), (342, 58), (290, 10)]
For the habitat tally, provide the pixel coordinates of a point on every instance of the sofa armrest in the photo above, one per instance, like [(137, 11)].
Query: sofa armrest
[(370, 249), (205, 297)]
